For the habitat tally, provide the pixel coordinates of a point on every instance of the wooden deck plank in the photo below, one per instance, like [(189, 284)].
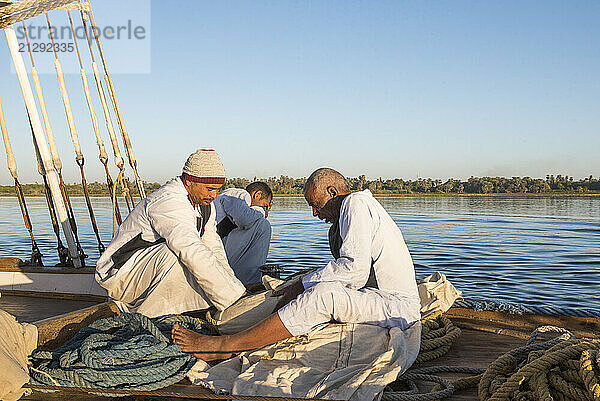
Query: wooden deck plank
[(31, 309), (474, 349)]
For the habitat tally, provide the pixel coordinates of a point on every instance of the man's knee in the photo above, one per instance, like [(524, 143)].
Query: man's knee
[(325, 295)]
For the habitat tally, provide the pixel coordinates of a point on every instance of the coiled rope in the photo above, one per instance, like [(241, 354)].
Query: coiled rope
[(22, 10), (437, 336), (563, 368), (129, 351)]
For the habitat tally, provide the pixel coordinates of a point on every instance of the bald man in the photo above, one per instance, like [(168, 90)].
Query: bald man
[(371, 280)]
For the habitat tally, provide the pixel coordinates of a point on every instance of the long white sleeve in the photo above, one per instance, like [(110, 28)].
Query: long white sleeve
[(354, 264), (242, 215), (212, 240), (175, 221)]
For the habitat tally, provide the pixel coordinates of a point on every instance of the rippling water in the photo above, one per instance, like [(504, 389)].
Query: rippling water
[(535, 251)]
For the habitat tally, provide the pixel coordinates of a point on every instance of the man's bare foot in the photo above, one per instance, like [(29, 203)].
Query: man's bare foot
[(207, 348)]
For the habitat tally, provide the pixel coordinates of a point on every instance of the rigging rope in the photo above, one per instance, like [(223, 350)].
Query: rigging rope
[(22, 10), (113, 96), (437, 336), (36, 254), (74, 136), (94, 119), (111, 131), (63, 253), (54, 150), (102, 150), (563, 368)]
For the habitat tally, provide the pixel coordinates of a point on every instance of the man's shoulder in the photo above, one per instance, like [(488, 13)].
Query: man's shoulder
[(173, 189), (358, 199), (236, 193)]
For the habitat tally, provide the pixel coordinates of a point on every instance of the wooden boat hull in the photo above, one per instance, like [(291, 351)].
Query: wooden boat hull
[(57, 282), (485, 336)]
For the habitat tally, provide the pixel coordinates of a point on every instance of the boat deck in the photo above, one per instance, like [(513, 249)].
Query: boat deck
[(485, 336), (31, 309), (473, 349)]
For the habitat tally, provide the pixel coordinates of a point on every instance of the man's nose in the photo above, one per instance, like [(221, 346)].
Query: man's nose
[(315, 213)]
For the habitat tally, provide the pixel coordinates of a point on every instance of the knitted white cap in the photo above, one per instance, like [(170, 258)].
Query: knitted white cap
[(205, 166)]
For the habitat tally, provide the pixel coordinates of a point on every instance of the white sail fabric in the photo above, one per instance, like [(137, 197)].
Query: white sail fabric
[(333, 361), (17, 341)]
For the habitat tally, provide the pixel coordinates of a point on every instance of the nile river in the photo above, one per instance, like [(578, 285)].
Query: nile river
[(534, 251)]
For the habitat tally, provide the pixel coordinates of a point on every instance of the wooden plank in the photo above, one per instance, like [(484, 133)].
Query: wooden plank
[(10, 263), (53, 332), (31, 309), (57, 295), (474, 349), (13, 265), (521, 326)]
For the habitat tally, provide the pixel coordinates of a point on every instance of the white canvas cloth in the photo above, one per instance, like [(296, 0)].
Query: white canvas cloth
[(17, 341), (247, 245), (333, 361), (187, 271)]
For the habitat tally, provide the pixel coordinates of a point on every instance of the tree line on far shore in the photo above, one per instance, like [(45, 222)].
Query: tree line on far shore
[(284, 185)]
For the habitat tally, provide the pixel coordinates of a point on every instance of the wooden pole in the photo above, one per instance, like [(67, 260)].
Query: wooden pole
[(63, 253), (74, 136), (53, 150), (40, 140)]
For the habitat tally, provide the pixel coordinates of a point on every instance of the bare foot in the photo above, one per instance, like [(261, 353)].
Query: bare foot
[(207, 348)]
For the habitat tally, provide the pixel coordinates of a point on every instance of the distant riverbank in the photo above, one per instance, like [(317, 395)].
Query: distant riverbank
[(453, 195), (391, 195), (287, 186)]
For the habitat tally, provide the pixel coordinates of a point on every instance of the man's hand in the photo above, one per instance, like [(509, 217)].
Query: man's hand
[(288, 294), (254, 287)]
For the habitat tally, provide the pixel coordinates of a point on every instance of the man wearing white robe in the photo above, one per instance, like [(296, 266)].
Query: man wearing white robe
[(166, 257), (371, 280), (243, 226)]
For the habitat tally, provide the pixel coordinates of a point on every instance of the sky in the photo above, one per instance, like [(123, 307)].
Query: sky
[(388, 89)]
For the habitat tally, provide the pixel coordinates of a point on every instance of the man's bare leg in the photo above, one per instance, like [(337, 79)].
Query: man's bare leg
[(210, 348)]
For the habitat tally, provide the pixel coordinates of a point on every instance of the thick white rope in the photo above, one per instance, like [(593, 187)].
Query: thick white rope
[(25, 9)]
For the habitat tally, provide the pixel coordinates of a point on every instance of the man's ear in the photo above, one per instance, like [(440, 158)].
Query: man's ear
[(332, 191), (257, 195)]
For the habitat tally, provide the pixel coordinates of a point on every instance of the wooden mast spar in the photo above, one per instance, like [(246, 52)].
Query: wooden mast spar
[(41, 143), (12, 12)]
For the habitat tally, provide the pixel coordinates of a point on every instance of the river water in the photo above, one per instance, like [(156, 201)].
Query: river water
[(529, 250)]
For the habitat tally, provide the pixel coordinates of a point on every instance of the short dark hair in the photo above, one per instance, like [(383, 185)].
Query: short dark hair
[(260, 186)]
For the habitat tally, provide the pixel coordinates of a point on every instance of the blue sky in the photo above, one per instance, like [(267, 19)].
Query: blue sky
[(385, 88)]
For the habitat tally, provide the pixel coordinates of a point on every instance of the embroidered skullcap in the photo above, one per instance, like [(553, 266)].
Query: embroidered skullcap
[(205, 166)]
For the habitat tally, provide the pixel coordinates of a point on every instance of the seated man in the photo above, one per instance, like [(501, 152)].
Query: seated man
[(166, 257), (371, 280), (244, 229)]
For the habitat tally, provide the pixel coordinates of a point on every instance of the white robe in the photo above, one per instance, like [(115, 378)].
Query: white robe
[(247, 245), (337, 291), (176, 269)]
